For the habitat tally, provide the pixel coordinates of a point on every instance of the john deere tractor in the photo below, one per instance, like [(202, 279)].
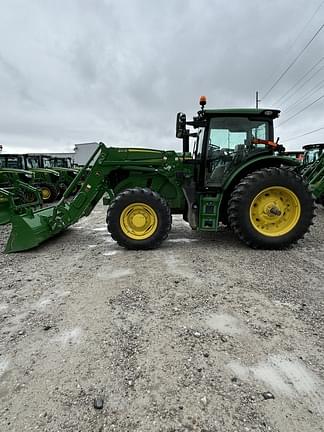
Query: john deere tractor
[(235, 174), (46, 180), (62, 166), (313, 169)]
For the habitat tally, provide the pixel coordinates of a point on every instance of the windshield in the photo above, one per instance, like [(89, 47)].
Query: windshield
[(47, 163), (60, 163), (228, 137), (231, 132), (32, 163), (12, 162), (312, 155)]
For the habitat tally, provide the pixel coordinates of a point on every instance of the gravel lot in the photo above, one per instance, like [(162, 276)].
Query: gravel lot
[(202, 334)]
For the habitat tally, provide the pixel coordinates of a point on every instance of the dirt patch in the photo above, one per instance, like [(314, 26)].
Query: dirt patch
[(188, 337)]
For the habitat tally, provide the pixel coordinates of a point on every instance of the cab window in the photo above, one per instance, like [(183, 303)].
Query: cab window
[(230, 132), (12, 162), (32, 163), (227, 137)]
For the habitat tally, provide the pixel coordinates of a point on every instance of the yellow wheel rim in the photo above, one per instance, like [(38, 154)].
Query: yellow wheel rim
[(46, 193), (138, 221), (275, 211)]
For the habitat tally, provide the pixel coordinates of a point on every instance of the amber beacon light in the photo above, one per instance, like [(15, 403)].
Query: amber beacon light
[(202, 101)]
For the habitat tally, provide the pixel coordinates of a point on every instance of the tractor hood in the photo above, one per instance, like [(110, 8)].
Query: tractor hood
[(17, 171), (142, 155), (45, 171), (73, 171)]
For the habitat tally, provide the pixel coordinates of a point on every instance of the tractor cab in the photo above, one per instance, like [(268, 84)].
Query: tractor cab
[(61, 162), (312, 153), (33, 162), (226, 139), (12, 161)]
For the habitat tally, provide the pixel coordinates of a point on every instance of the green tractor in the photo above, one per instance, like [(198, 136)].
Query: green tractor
[(312, 169), (62, 162), (59, 164), (295, 154), (235, 175), (46, 180)]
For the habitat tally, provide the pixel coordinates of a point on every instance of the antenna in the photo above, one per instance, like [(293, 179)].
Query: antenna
[(257, 100)]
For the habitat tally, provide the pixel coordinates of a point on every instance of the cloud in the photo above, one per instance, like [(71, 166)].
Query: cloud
[(118, 71)]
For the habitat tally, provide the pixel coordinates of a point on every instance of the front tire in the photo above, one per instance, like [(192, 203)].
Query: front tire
[(139, 219), (271, 209)]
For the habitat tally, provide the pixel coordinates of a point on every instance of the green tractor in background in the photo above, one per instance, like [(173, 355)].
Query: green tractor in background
[(295, 154), (234, 175), (46, 180), (59, 164), (312, 169)]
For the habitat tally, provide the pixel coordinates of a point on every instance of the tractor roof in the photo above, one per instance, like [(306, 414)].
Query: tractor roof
[(311, 146), (272, 113)]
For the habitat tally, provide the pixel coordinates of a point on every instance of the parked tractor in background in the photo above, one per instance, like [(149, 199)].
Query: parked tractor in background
[(61, 165), (46, 180), (62, 162), (295, 154), (312, 169), (234, 175)]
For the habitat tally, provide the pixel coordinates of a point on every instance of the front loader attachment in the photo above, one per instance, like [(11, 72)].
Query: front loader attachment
[(13, 201), (5, 210), (31, 228)]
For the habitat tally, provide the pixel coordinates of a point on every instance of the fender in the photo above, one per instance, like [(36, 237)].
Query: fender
[(255, 164)]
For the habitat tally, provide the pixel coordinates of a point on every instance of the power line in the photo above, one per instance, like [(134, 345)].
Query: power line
[(318, 86), (303, 85), (303, 109), (301, 79), (310, 19), (299, 34), (302, 135), (293, 62)]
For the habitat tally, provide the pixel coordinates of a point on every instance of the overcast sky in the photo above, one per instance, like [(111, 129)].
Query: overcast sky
[(117, 71)]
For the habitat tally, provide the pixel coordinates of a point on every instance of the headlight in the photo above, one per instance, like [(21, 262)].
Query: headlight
[(30, 176)]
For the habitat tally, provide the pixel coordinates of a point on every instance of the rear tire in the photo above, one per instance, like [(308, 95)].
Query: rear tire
[(271, 209), (139, 219), (48, 191)]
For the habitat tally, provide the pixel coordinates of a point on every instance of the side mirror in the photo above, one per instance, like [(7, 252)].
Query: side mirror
[(181, 125)]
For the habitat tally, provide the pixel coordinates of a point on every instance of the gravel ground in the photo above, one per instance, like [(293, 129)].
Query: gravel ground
[(202, 334)]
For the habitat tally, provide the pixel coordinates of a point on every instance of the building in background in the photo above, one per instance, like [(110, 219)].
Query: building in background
[(83, 151)]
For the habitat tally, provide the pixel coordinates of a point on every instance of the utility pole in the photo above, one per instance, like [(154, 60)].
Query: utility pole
[(257, 100)]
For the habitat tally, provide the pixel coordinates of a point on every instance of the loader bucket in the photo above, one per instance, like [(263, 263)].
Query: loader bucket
[(31, 229), (4, 212)]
